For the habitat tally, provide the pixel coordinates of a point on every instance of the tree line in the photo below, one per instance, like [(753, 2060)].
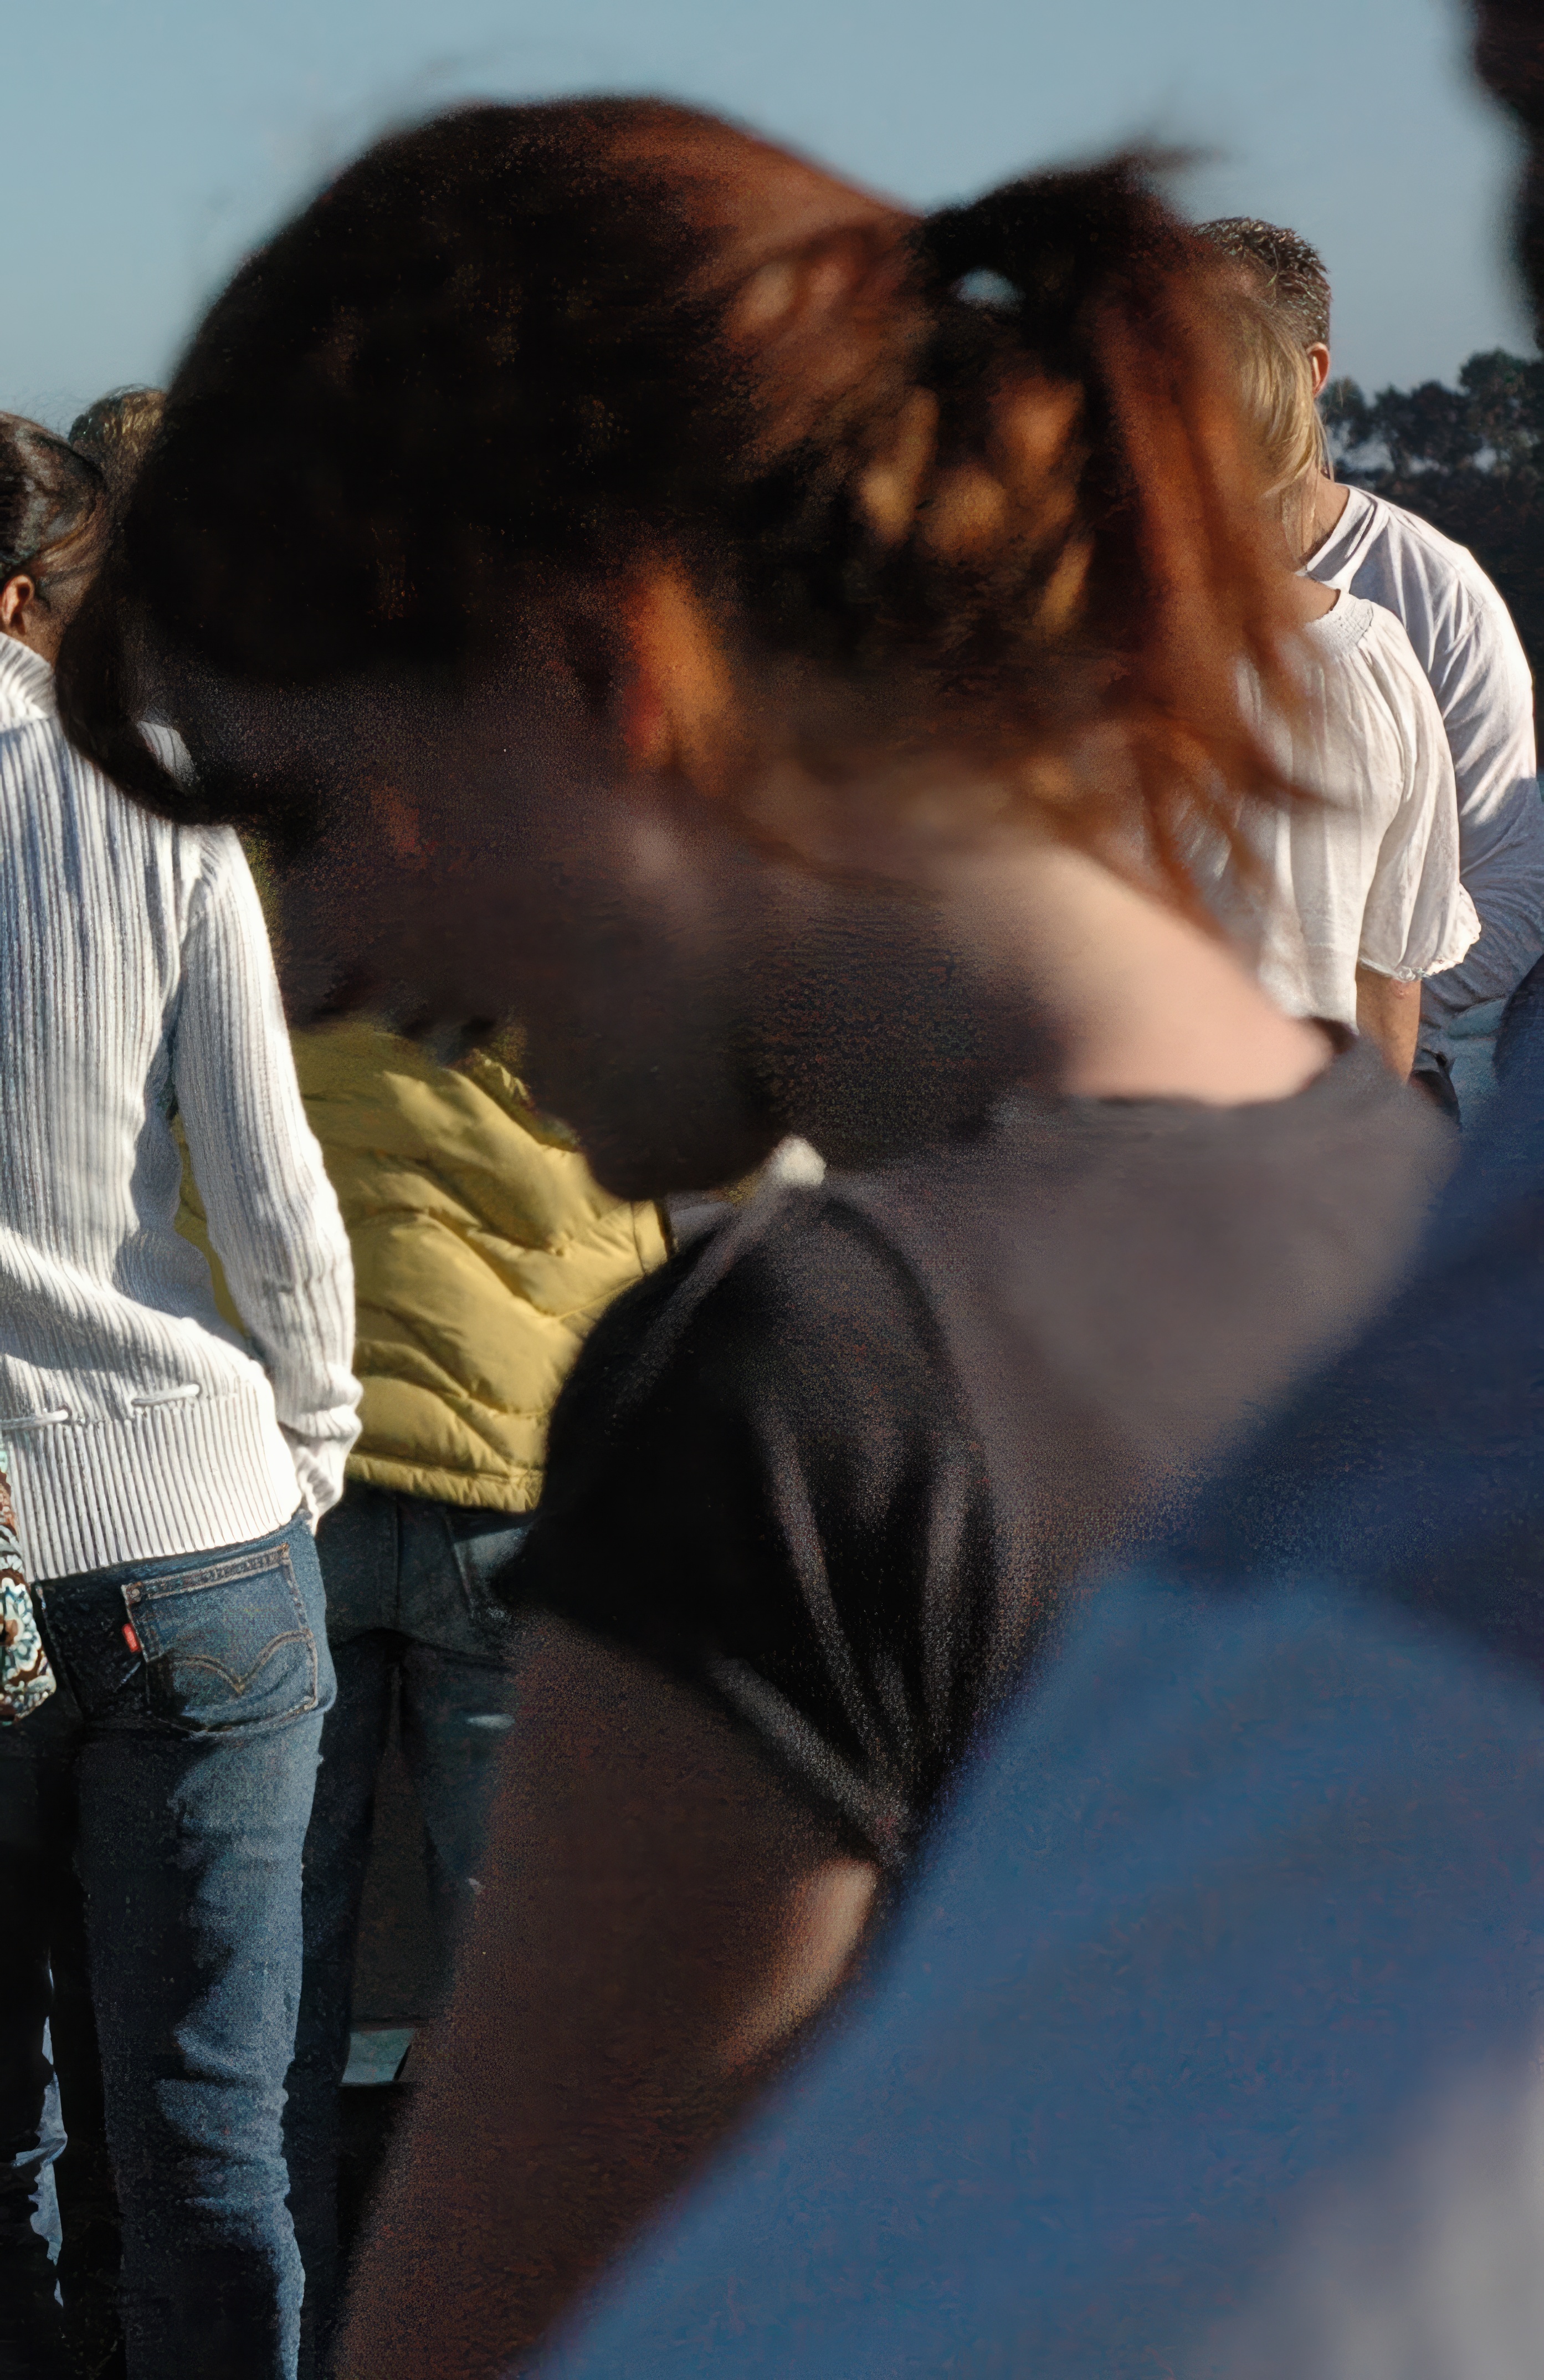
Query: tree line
[(1468, 459)]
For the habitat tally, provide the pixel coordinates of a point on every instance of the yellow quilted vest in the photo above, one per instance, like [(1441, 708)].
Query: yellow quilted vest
[(483, 1251)]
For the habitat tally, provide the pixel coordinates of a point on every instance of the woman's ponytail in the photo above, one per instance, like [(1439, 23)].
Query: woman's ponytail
[(1046, 252), (1086, 281)]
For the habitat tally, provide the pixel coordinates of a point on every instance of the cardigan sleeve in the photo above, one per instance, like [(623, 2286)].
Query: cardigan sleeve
[(273, 1214)]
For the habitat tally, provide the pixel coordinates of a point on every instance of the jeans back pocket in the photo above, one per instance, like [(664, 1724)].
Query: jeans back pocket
[(227, 1643)]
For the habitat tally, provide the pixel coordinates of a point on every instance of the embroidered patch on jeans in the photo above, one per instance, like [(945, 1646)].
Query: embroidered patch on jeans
[(26, 1674)]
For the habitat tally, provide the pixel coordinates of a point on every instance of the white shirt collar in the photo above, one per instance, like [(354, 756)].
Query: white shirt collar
[(1334, 550), (26, 683)]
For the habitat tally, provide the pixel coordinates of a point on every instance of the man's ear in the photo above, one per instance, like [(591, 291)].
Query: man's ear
[(677, 702), (16, 597), (1318, 355)]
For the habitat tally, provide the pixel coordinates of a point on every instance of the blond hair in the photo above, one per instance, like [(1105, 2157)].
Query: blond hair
[(1275, 386)]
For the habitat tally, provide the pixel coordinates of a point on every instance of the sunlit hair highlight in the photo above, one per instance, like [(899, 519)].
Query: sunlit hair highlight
[(117, 431), (1287, 269)]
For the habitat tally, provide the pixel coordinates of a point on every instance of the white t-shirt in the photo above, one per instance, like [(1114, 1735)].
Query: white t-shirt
[(1368, 876), (1464, 642)]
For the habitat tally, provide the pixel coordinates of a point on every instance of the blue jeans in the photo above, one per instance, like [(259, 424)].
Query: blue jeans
[(159, 1800), (410, 1615)]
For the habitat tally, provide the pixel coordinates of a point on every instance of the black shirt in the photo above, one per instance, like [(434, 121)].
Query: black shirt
[(835, 1462)]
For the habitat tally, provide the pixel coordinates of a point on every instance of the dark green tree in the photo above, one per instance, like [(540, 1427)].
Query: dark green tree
[(1506, 406)]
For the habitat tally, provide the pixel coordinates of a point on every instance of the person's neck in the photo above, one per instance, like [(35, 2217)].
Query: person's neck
[(43, 645), (1027, 961), (1145, 1002)]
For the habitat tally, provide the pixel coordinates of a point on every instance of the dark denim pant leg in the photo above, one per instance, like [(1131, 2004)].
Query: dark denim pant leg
[(409, 1608), (191, 1861), (459, 1693), (37, 1842), (195, 1781), (337, 1852), (91, 2253), (357, 1546)]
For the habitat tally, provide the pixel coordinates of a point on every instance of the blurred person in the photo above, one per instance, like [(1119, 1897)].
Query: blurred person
[(1465, 641), (116, 432), (483, 1251), (1510, 57), (796, 726), (1348, 898), (166, 1475), (1210, 2037)]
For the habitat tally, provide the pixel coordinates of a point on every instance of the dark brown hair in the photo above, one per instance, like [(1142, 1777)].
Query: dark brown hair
[(49, 495), (490, 360)]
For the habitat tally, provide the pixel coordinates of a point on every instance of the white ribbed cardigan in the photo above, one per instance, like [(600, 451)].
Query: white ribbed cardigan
[(136, 981)]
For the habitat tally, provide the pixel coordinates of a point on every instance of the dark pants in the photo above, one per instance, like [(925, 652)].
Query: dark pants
[(411, 1614), (175, 1780), (80, 2226)]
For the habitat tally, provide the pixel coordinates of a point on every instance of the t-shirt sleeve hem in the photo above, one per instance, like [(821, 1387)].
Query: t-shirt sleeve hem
[(1455, 944), (873, 1824)]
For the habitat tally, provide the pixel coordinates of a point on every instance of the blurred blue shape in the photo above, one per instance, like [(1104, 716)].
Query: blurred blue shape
[(1242, 1902)]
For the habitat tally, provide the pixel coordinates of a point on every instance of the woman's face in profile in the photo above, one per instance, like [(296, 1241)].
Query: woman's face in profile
[(481, 860), (480, 864)]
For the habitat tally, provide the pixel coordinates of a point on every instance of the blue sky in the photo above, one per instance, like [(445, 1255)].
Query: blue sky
[(149, 142)]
